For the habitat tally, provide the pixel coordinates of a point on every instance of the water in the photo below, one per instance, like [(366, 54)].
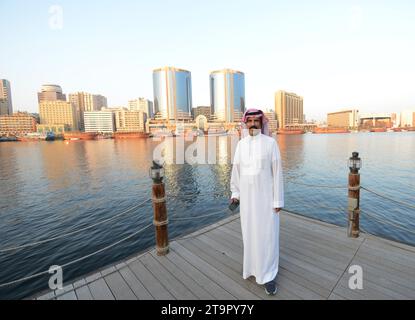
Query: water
[(50, 188)]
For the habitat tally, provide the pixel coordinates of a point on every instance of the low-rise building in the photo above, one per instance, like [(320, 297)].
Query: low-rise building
[(19, 123)]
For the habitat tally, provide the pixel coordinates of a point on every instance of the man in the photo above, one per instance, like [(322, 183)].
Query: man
[(257, 184)]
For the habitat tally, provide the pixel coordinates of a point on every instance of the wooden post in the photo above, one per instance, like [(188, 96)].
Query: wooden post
[(159, 208), (354, 197), (160, 219)]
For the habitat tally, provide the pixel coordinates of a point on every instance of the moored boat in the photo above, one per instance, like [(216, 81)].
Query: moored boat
[(72, 135)]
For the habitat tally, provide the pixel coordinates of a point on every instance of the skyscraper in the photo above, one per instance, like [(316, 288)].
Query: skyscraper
[(289, 108), (6, 106), (50, 92), (227, 94), (84, 101), (142, 104), (172, 89)]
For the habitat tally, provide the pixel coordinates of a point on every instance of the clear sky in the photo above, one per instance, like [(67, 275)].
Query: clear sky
[(336, 54)]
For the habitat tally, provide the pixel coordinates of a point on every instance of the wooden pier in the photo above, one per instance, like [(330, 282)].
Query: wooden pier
[(315, 258)]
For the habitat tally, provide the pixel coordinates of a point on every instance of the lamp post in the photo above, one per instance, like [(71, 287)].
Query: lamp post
[(159, 207), (355, 164)]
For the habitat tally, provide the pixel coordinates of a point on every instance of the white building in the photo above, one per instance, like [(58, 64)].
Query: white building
[(99, 121), (407, 118)]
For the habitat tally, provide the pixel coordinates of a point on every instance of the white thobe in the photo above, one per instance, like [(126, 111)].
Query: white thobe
[(258, 183)]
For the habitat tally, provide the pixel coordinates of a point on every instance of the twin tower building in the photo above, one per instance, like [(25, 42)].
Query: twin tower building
[(173, 94)]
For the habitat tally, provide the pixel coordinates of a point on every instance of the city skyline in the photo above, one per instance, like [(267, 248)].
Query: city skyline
[(335, 56)]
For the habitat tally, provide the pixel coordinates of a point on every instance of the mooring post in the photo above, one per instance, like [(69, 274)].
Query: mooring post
[(159, 208), (354, 196)]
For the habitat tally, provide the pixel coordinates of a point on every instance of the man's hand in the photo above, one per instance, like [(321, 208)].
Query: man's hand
[(277, 210)]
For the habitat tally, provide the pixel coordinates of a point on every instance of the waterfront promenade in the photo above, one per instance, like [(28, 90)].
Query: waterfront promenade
[(315, 258)]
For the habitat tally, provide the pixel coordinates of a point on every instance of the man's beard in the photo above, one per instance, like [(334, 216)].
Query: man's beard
[(253, 127)]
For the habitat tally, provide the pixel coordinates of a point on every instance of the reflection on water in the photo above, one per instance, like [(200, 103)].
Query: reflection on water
[(50, 188)]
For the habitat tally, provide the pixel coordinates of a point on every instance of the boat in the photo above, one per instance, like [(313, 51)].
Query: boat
[(73, 135), (131, 135), (330, 130), (378, 130), (50, 136), (8, 138), (290, 131)]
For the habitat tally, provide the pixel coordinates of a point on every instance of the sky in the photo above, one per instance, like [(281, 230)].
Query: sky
[(336, 54)]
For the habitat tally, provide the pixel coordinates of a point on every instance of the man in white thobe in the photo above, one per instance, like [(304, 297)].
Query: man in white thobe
[(257, 183)]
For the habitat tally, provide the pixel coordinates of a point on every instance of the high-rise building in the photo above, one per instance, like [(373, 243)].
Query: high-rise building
[(50, 92), (227, 94), (100, 102), (19, 123), (99, 121), (348, 119), (6, 106), (172, 93), (84, 101), (407, 118), (202, 110), (59, 113), (130, 121), (142, 104), (288, 108)]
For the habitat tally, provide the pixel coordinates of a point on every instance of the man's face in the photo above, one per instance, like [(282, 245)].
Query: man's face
[(254, 125)]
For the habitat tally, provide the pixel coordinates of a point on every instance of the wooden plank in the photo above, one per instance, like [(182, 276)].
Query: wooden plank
[(229, 239), (68, 296), (100, 291), (188, 282), (156, 289), (214, 256), (387, 279), (210, 286), (317, 258), (83, 293), (338, 252), (47, 296), (335, 296), (168, 280), (304, 282), (309, 267), (318, 289), (136, 286), (397, 255), (300, 272), (216, 275), (338, 243), (214, 252), (119, 287), (371, 289), (386, 243), (232, 253), (375, 258), (338, 237), (79, 283), (233, 233), (93, 277), (222, 263)]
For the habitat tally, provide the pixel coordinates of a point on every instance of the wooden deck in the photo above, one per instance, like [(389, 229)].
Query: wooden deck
[(314, 262)]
